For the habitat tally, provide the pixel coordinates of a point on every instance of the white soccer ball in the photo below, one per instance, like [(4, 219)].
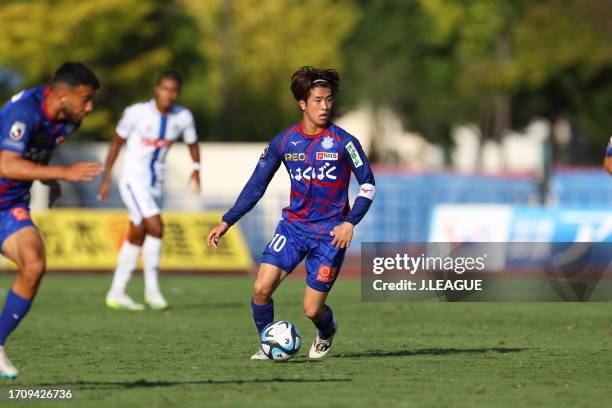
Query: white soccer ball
[(280, 340)]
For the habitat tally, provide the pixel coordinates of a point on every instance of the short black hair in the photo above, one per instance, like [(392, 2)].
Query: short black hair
[(171, 74), (75, 74), (307, 77)]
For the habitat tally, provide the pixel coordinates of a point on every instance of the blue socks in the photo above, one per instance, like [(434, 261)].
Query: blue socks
[(15, 309), (326, 324), (262, 315)]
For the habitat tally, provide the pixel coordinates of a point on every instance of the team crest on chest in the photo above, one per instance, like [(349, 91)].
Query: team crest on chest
[(328, 142)]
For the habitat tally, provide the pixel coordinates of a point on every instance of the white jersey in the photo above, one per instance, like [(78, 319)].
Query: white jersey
[(149, 135)]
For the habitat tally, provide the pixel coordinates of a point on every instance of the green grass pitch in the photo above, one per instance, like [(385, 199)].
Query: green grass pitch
[(197, 353)]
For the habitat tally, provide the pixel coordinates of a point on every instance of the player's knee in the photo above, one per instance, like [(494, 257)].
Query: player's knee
[(155, 230), (312, 312), (32, 271), (261, 293), (137, 240)]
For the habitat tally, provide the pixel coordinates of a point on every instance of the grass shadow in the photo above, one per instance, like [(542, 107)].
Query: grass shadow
[(110, 385), (428, 351)]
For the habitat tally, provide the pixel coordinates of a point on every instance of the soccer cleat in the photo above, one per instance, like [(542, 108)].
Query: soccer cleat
[(320, 347), (121, 301), (260, 355), (156, 301), (7, 369)]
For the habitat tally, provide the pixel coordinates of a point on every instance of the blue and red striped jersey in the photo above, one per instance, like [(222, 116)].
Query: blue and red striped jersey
[(25, 128), (319, 167)]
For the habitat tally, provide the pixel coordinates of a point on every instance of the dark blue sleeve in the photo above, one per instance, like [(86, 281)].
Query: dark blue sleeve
[(255, 188), (16, 126), (363, 172)]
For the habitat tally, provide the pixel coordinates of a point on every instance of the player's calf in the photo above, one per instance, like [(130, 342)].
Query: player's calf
[(327, 326)]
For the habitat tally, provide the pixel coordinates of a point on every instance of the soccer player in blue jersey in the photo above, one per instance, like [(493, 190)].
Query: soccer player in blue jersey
[(318, 223), (32, 124)]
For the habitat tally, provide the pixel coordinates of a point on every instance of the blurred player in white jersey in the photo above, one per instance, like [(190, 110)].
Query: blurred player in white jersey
[(149, 128)]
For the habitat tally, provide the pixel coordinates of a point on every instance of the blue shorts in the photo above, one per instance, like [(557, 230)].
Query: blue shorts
[(12, 220), (288, 248)]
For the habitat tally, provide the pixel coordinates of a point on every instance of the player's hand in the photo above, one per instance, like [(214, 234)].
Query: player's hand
[(343, 234), (104, 190), (85, 171), (216, 233), (194, 182), (55, 190)]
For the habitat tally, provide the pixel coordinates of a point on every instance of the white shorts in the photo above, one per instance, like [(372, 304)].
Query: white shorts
[(139, 200)]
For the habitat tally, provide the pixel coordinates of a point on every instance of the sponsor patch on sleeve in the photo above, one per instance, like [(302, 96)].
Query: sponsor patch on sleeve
[(352, 150), (17, 131), (367, 190)]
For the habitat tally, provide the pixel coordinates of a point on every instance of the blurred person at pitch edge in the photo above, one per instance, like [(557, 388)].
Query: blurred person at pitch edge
[(149, 129), (318, 223), (32, 124), (607, 164)]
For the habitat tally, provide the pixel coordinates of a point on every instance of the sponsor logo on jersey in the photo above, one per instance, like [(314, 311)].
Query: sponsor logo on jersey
[(296, 142), (157, 143), (328, 142), (295, 156), (327, 156), (17, 131), (326, 274), (314, 173), (350, 148)]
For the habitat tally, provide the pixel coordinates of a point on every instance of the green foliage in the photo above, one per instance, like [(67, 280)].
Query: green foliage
[(439, 62), (251, 48), (436, 62), (117, 38)]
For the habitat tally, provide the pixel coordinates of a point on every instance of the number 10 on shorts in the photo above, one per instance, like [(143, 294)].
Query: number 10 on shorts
[(278, 242)]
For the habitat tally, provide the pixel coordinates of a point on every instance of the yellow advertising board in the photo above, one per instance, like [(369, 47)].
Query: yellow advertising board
[(78, 239)]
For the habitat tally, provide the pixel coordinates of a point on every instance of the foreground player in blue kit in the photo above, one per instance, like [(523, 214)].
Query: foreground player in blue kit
[(32, 124), (318, 223)]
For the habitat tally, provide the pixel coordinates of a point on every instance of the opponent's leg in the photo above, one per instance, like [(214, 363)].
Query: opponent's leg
[(151, 251), (25, 248), (126, 264), (268, 278)]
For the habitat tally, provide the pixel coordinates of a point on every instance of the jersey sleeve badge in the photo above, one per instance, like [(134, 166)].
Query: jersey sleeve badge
[(17, 131)]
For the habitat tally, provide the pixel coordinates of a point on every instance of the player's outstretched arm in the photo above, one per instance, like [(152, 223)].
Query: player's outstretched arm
[(113, 152), (216, 233), (255, 188), (194, 178), (15, 167)]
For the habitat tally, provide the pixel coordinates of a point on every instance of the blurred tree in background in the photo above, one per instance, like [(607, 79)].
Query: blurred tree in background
[(250, 48), (437, 63), (121, 39), (495, 63)]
